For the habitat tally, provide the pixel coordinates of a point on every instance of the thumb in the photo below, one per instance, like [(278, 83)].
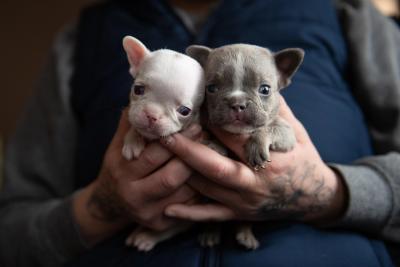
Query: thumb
[(122, 129), (286, 113)]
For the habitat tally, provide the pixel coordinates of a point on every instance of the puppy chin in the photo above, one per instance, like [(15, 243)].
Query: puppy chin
[(148, 135), (153, 133), (238, 128)]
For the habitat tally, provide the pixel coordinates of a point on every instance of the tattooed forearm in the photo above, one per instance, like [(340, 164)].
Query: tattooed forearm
[(297, 195), (104, 204)]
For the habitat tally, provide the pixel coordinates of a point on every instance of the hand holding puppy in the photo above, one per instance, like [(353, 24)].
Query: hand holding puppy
[(132, 191), (296, 185)]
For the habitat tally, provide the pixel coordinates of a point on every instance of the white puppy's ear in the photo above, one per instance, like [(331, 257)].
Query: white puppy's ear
[(136, 52), (199, 53), (287, 62)]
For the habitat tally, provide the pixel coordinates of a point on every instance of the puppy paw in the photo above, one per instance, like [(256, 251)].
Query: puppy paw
[(210, 238), (257, 154), (283, 138), (133, 145), (131, 151), (246, 238), (283, 145), (143, 240)]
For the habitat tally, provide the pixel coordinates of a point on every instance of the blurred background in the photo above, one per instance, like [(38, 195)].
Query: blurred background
[(27, 31)]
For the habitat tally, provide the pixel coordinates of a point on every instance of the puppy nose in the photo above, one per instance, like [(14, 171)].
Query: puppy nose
[(238, 107), (151, 118)]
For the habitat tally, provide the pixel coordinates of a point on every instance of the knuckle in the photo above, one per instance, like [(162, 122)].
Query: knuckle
[(221, 171), (169, 182), (242, 173), (148, 158)]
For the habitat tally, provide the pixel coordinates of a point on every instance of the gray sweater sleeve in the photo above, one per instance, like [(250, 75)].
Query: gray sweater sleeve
[(36, 223), (374, 183)]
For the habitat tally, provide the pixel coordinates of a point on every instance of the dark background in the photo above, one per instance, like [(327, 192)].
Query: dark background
[(27, 30)]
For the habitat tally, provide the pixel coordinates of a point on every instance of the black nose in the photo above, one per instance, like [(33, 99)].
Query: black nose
[(238, 107)]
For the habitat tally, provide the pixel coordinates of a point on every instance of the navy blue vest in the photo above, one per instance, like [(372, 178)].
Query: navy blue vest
[(319, 97)]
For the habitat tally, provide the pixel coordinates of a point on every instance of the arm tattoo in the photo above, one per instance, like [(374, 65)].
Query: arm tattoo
[(294, 196), (104, 204)]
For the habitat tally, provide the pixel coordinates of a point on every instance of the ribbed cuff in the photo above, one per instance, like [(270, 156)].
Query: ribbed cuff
[(370, 199)]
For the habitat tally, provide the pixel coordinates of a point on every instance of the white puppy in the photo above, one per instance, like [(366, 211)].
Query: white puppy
[(165, 98)]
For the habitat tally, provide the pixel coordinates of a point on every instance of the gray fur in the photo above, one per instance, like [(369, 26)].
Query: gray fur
[(238, 71)]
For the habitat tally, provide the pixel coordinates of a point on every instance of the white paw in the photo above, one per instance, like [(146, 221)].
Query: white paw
[(142, 240), (209, 238), (131, 151), (247, 239)]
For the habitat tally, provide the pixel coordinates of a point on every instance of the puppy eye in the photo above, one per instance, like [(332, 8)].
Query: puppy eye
[(184, 111), (212, 88), (264, 89), (138, 89)]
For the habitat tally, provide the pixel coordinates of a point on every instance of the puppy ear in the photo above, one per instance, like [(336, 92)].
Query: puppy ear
[(136, 52), (287, 62), (199, 52)]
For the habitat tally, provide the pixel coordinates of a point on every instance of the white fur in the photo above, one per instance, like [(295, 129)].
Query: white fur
[(170, 80), (237, 93)]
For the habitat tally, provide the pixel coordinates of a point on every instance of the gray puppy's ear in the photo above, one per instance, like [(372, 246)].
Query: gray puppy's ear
[(199, 52), (287, 62)]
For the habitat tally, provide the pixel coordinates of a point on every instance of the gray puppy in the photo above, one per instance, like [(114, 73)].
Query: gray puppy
[(242, 97)]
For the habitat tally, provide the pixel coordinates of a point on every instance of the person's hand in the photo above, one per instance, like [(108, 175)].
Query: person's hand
[(136, 190), (296, 185)]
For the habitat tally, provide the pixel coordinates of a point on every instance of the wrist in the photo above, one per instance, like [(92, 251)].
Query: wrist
[(333, 204), (89, 217)]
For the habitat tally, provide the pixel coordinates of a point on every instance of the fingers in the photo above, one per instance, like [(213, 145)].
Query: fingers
[(200, 213), (206, 161), (214, 191), (286, 113), (165, 181), (154, 155), (184, 195), (151, 158)]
